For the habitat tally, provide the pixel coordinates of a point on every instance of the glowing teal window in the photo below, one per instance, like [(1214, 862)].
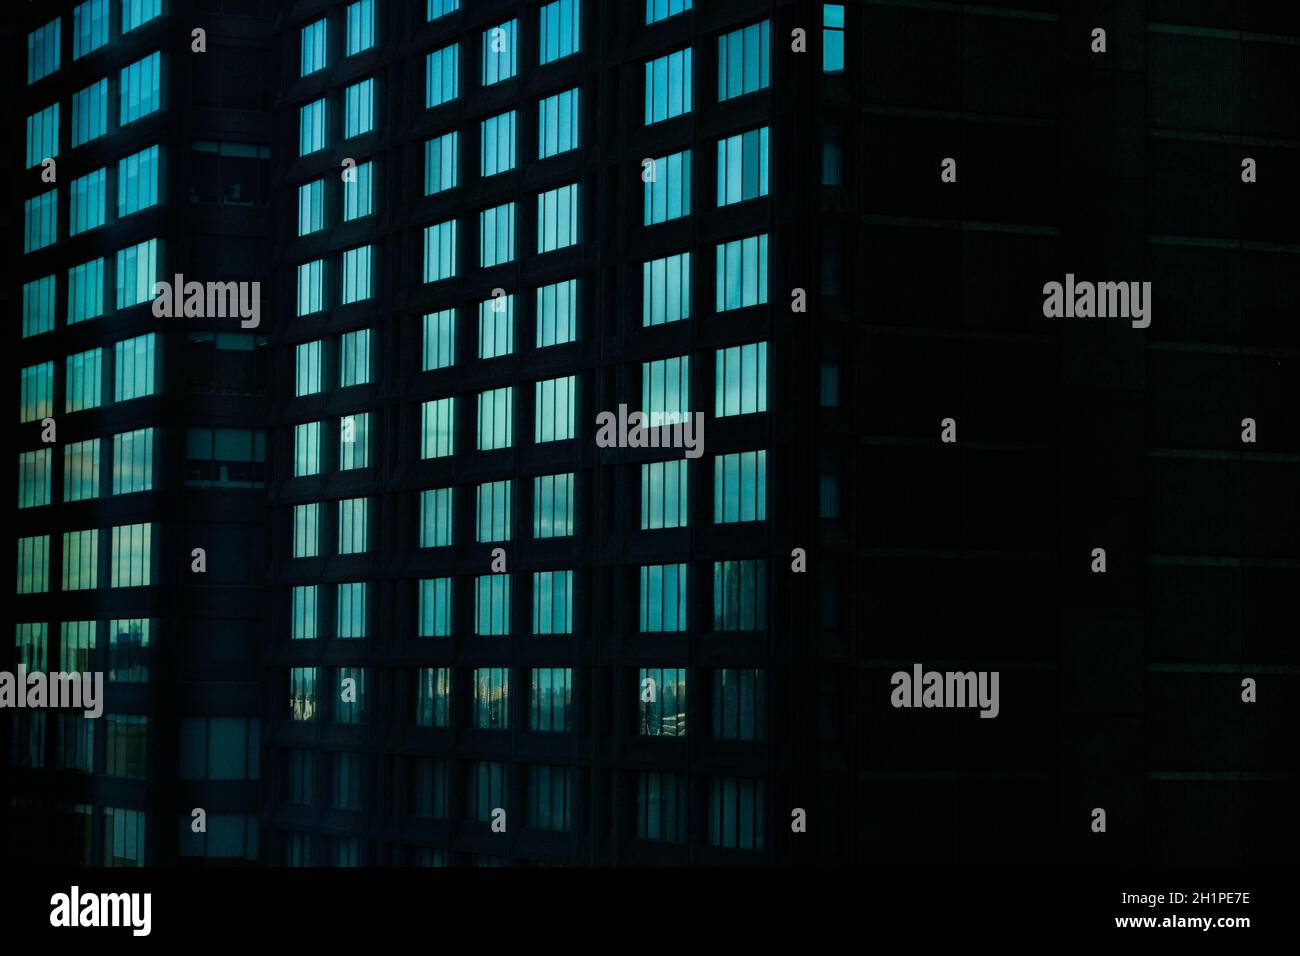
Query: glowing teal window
[(744, 60)]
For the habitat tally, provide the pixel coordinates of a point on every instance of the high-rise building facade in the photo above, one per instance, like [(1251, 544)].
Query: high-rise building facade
[(494, 640), (141, 512), (396, 576)]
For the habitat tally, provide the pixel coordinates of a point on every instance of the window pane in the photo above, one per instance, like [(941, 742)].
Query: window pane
[(557, 124), (496, 235), (440, 251), (308, 379), (741, 274), (656, 10), (435, 607), (131, 555), (663, 495), (354, 441), (665, 391), (137, 271), (141, 90), (352, 515), (313, 47), (493, 510), (663, 598), (440, 8), (549, 703), (496, 323), (559, 29), (133, 461), (356, 275), (311, 287), (553, 506), (83, 383), (90, 113), (557, 218), (138, 12), (662, 695), (492, 605), (311, 207), (740, 487), (306, 449), (832, 38), (744, 64), (358, 192), (137, 181), (435, 518), (442, 76), (668, 86), (440, 163), (43, 48), (36, 392), (89, 27), (553, 409), (41, 221), (495, 418), (740, 595), (666, 289), (553, 602), (360, 26), (38, 300), (43, 135), (740, 380), (743, 166), (359, 108), (437, 428), (497, 144), (557, 313), (311, 127), (133, 373)]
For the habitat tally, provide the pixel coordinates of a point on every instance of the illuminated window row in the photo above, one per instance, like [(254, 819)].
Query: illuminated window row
[(359, 106), (119, 648), (742, 162), (559, 36), (351, 518), (133, 271), (128, 560), (137, 178), (359, 34), (740, 597), (739, 496), (557, 227), (90, 31), (139, 87), (131, 467), (132, 373)]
